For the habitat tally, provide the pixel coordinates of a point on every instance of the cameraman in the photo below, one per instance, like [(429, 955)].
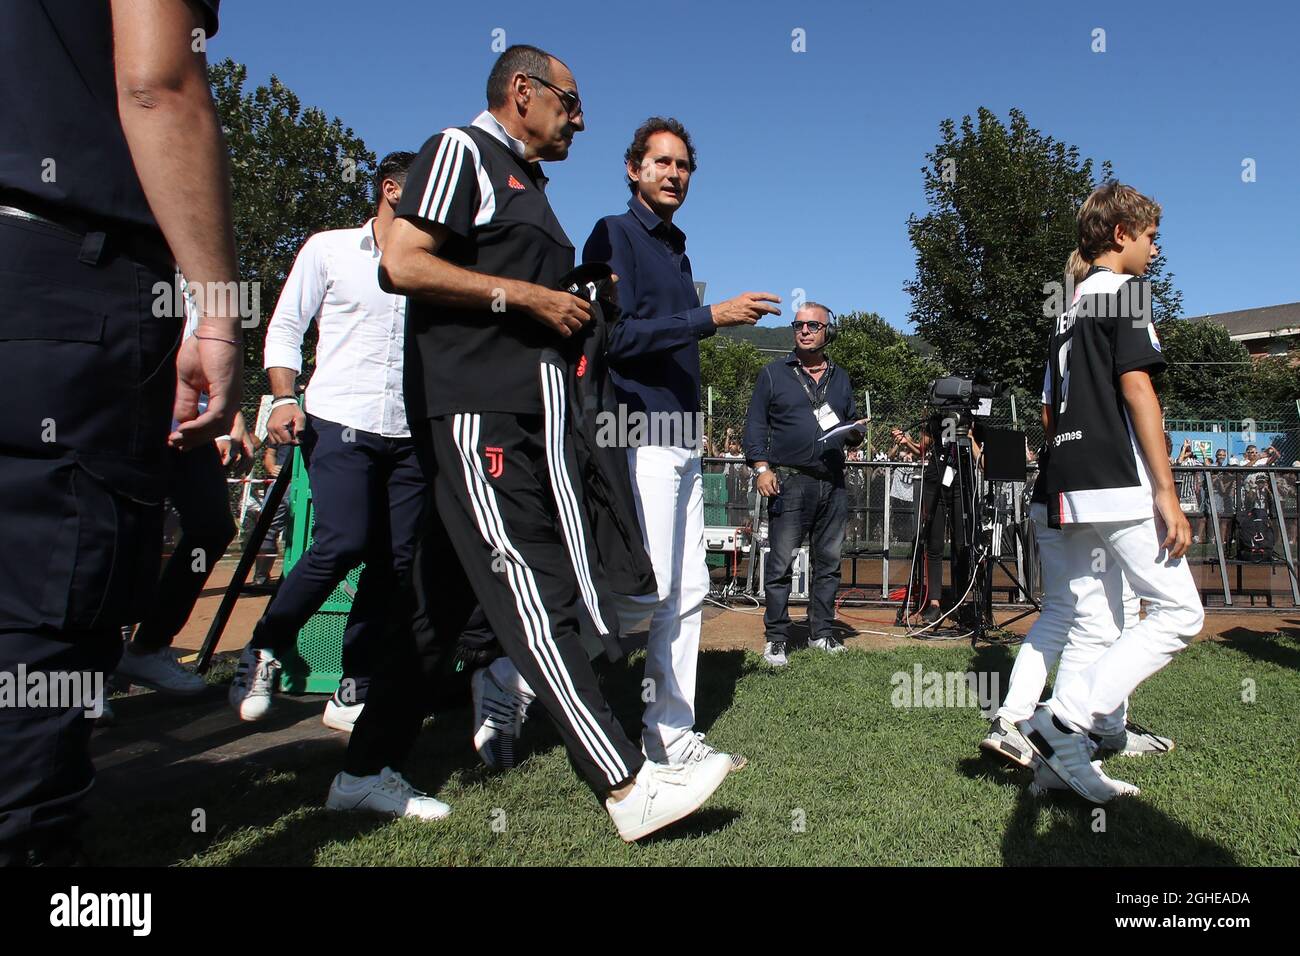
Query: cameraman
[(941, 507)]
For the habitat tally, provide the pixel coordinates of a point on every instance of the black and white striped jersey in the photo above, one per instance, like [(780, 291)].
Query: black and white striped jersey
[(475, 181), (1095, 470)]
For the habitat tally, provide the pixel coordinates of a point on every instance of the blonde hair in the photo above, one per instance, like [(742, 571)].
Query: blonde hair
[(1076, 267), (1111, 205)]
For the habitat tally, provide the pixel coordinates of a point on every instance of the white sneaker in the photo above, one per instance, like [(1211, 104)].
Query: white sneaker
[(499, 715), (160, 671), (1066, 752), (697, 749), (253, 684), (385, 792), (828, 644), (1045, 779), (341, 716), (664, 793), (774, 653)]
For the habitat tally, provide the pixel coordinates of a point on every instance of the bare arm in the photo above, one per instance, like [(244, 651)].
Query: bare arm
[(1144, 412), (284, 424), (175, 140), (411, 266)]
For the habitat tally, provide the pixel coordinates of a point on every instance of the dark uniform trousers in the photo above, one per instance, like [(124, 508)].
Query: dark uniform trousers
[(87, 380), (197, 489), (499, 533)]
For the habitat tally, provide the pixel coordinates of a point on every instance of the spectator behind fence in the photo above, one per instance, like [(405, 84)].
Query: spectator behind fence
[(796, 400), (367, 486), (143, 188)]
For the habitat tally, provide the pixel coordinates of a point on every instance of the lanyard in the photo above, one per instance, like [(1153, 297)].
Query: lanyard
[(821, 386)]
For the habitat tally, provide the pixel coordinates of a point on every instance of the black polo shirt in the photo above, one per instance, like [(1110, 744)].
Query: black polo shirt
[(475, 181), (61, 141)]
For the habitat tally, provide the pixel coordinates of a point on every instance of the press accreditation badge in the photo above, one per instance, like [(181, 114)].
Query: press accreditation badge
[(826, 417), (948, 475)]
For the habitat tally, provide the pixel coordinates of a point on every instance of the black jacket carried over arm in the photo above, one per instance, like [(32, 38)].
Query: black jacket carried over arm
[(613, 546)]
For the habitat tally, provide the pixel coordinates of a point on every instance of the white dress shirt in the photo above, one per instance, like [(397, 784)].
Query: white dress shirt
[(358, 378)]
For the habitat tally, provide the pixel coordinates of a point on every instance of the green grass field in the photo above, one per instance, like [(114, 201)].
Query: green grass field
[(837, 775)]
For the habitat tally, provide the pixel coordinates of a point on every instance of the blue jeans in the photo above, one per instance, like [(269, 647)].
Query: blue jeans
[(813, 508)]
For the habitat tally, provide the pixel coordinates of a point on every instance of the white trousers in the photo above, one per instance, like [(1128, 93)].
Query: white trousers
[(669, 489), (1115, 551), (1077, 623)]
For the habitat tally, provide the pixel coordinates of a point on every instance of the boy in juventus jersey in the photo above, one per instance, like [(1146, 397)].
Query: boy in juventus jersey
[(1108, 487)]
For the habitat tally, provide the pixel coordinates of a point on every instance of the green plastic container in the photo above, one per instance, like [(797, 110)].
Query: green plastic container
[(315, 666)]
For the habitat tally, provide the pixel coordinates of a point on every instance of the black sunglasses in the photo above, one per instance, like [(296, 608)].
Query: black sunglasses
[(810, 326), (571, 102)]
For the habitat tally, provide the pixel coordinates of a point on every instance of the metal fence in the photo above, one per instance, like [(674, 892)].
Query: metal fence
[(1222, 505)]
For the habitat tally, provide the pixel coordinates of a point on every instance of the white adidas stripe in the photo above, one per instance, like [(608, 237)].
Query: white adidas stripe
[(562, 487), (532, 613), (432, 181)]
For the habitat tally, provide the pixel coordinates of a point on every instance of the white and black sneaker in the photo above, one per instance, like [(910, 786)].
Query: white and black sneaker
[(386, 792), (254, 683), (829, 645), (1046, 780), (499, 715), (1066, 752), (697, 749), (1004, 740), (665, 793), (774, 653), (1134, 741)]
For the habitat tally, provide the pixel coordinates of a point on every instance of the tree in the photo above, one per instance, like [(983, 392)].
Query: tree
[(730, 366), (1210, 376), (1003, 201), (880, 360), (293, 171)]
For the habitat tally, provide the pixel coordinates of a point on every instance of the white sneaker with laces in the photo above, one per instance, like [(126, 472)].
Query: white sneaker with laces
[(499, 715), (254, 682), (665, 793), (1067, 753), (774, 653), (160, 671), (828, 644), (339, 716), (698, 749), (385, 792), (1045, 779)]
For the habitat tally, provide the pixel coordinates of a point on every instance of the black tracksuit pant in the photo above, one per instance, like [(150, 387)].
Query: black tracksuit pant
[(501, 533)]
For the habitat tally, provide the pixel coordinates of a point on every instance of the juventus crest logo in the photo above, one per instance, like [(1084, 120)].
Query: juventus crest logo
[(495, 460)]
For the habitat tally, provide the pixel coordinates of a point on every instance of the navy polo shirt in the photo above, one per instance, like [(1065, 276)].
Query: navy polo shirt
[(654, 352), (781, 426)]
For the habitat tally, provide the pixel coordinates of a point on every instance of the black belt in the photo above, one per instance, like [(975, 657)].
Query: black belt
[(99, 238), (808, 472)]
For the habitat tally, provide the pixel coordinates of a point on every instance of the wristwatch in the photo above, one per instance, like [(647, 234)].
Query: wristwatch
[(760, 469)]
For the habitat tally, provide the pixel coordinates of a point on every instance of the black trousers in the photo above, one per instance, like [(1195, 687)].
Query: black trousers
[(941, 521), (367, 493), (87, 380), (497, 534), (196, 486)]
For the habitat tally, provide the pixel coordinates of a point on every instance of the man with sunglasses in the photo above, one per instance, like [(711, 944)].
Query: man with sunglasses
[(798, 402), (479, 252)]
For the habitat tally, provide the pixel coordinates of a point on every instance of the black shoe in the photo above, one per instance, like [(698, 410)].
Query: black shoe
[(932, 614)]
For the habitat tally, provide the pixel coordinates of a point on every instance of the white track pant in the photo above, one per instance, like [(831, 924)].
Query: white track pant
[(669, 489), (1079, 621), (1119, 551)]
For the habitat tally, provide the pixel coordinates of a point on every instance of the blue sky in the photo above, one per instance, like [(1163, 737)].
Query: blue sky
[(810, 162)]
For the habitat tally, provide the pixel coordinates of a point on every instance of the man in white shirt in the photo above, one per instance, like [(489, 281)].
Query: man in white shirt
[(367, 486)]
